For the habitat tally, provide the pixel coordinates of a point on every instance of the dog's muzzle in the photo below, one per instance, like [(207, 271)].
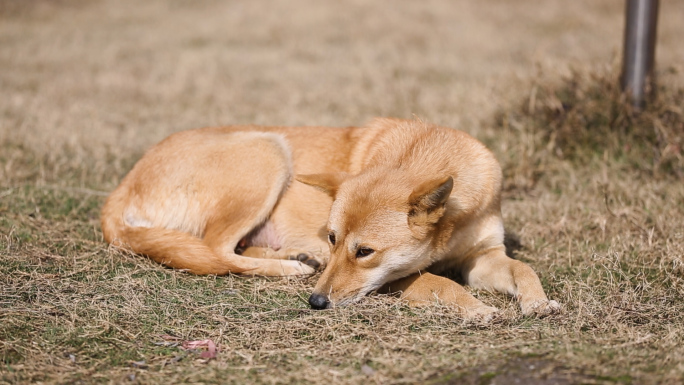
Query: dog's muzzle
[(319, 301)]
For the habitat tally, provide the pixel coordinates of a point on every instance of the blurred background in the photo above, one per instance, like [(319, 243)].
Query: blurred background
[(118, 75)]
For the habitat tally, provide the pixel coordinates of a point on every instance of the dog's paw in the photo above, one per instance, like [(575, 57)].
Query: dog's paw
[(306, 258), (295, 267), (481, 315), (540, 308)]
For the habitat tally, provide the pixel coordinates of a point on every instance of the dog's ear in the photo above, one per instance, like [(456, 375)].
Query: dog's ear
[(427, 203), (431, 194), (328, 183)]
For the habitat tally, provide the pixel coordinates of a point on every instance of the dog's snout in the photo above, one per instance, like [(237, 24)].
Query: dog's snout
[(318, 301)]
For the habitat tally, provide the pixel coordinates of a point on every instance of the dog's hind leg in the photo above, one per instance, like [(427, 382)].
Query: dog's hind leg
[(494, 270), (288, 254), (202, 194), (223, 233), (248, 205)]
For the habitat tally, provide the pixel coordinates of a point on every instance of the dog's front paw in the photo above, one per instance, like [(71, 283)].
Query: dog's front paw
[(483, 314), (306, 258), (540, 308)]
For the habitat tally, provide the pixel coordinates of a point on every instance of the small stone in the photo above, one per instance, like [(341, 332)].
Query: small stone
[(139, 364), (367, 370)]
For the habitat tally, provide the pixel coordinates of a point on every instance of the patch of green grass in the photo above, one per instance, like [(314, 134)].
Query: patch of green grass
[(486, 378)]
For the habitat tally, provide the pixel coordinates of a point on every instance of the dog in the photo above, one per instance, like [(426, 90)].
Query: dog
[(387, 207)]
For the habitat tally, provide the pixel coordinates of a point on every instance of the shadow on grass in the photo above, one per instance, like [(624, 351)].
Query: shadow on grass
[(527, 370)]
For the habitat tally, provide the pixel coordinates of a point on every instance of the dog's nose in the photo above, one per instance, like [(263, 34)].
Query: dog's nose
[(318, 301)]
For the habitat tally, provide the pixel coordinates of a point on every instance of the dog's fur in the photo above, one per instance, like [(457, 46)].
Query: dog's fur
[(396, 202)]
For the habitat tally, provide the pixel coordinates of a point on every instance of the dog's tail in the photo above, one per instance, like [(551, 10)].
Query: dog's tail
[(178, 250), (172, 248), (184, 251), (111, 217)]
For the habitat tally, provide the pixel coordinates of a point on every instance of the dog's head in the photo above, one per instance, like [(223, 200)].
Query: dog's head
[(381, 228)]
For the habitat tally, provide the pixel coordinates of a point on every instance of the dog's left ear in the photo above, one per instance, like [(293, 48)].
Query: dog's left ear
[(328, 183), (427, 203)]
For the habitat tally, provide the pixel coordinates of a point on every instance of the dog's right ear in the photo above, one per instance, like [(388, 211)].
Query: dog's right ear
[(328, 183), (428, 204)]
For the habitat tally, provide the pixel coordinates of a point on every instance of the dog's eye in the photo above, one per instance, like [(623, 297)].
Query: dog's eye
[(364, 252), (331, 238)]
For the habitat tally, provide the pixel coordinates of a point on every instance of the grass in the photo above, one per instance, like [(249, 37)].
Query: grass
[(593, 189), (587, 120)]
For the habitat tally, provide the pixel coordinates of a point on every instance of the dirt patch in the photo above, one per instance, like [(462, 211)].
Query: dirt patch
[(529, 370)]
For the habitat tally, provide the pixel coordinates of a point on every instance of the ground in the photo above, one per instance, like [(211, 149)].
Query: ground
[(593, 189)]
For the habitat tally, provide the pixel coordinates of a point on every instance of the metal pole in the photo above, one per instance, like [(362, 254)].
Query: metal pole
[(637, 78)]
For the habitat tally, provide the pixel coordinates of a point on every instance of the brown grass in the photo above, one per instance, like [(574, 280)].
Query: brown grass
[(588, 119), (593, 189)]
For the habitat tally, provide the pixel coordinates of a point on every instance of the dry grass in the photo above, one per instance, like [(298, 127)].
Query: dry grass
[(593, 190), (587, 119)]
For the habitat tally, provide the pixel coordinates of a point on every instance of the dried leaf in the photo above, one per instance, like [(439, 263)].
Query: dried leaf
[(208, 344)]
